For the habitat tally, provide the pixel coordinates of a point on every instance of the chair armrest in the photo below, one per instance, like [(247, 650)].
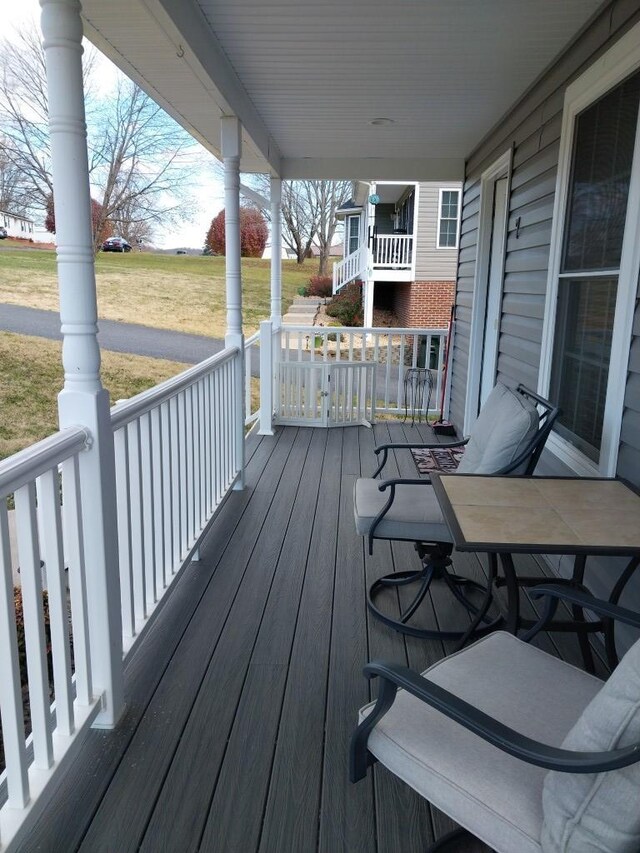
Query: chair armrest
[(489, 729), (403, 481), (385, 448), (391, 485), (556, 593)]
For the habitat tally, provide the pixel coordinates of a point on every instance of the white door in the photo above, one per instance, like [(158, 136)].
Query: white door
[(494, 288)]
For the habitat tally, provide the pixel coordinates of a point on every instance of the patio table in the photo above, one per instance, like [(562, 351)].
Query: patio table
[(577, 516)]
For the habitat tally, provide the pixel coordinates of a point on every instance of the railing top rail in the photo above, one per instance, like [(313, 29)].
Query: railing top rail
[(254, 338), (357, 330), (127, 411), (25, 465)]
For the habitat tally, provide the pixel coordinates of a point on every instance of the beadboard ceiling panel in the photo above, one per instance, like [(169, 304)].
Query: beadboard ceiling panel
[(307, 78)]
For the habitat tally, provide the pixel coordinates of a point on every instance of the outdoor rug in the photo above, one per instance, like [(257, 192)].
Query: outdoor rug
[(437, 459)]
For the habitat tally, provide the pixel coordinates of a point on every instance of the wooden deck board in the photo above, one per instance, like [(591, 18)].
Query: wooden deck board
[(242, 696)]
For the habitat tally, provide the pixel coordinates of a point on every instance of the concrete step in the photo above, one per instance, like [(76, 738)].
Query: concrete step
[(292, 319), (303, 309), (305, 305)]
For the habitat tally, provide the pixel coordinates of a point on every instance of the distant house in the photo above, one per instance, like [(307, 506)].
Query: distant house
[(17, 226), (287, 254), (22, 226), (401, 241)]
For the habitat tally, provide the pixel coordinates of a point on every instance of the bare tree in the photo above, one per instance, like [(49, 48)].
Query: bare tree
[(330, 195), (140, 162), (24, 117), (12, 195), (308, 214), (144, 163)]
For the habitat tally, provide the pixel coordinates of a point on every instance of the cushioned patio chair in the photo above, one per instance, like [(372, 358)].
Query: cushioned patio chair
[(523, 750), (507, 438)]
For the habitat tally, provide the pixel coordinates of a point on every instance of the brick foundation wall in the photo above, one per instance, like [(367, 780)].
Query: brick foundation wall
[(425, 304)]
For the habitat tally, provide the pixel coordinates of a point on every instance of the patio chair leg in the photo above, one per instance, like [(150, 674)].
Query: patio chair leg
[(435, 565)]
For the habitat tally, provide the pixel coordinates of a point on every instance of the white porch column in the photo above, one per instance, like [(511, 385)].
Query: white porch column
[(83, 401), (368, 285), (367, 299), (276, 253), (231, 138)]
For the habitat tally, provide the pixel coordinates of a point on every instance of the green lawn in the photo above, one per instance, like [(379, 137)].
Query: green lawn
[(31, 375), (181, 292)]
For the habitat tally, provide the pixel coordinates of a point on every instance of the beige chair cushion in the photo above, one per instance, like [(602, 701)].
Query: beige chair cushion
[(497, 797), (505, 426), (414, 515), (599, 812)]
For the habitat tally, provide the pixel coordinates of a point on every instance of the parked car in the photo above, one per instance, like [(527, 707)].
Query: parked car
[(3, 233), (116, 244)]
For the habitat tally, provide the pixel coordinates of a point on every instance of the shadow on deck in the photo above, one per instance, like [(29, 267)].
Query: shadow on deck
[(242, 695)]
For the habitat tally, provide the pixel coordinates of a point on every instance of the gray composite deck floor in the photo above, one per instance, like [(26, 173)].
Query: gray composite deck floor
[(242, 695)]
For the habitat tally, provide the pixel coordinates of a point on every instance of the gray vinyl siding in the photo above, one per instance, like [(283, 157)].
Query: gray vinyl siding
[(532, 130), (432, 264)]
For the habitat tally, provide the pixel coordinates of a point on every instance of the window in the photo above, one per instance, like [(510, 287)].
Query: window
[(604, 139), (594, 262), (405, 213), (353, 234), (448, 215)]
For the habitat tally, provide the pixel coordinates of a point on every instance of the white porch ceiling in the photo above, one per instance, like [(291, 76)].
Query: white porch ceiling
[(306, 77)]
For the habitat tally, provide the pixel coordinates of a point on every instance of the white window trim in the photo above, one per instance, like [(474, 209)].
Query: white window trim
[(441, 191), (613, 67), (347, 232), (500, 168)]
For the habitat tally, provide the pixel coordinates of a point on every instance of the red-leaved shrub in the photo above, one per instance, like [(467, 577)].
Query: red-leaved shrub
[(346, 306), (253, 233), (320, 285)]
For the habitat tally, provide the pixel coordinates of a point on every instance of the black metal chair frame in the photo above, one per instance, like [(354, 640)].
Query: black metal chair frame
[(393, 676), (436, 556)]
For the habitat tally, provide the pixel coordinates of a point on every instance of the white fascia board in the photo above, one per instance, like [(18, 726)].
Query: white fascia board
[(373, 169), (184, 27), (207, 59)]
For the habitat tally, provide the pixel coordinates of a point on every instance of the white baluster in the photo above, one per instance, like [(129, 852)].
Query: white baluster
[(48, 491), (35, 640), (11, 713)]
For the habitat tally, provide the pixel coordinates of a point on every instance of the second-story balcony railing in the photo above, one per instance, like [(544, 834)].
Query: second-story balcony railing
[(393, 251), (388, 252)]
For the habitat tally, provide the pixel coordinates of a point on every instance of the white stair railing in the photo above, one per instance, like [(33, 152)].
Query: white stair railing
[(349, 268)]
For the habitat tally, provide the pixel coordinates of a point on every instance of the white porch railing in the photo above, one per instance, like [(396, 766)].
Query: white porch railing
[(176, 458), (393, 251), (393, 351), (43, 481), (177, 454), (251, 411), (349, 268)]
